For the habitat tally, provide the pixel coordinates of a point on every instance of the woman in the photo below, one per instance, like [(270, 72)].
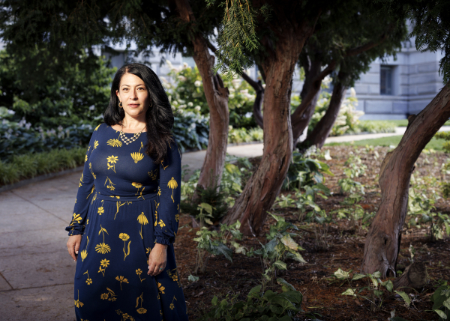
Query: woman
[(127, 208)]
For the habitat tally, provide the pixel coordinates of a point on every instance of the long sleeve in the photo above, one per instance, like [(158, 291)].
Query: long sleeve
[(169, 193), (84, 194)]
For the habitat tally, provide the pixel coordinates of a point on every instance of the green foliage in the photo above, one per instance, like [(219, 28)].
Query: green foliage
[(374, 287), (73, 95), (237, 35), (219, 197), (30, 165), (20, 138), (377, 126), (441, 301), (242, 135), (215, 242), (280, 247), (446, 137), (259, 306), (191, 130), (421, 210), (347, 120), (304, 171), (186, 94)]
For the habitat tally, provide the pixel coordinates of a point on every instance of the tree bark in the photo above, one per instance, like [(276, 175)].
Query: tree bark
[(217, 99), (382, 242), (262, 188), (414, 277), (323, 128), (259, 89)]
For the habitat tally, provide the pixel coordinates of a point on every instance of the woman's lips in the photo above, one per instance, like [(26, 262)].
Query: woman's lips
[(133, 105)]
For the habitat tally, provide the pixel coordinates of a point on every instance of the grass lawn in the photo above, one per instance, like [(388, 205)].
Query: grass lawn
[(401, 123), (435, 144)]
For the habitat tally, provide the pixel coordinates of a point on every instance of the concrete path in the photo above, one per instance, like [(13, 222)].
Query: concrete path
[(36, 272)]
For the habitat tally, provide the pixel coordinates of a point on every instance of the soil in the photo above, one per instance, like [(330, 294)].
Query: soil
[(341, 246)]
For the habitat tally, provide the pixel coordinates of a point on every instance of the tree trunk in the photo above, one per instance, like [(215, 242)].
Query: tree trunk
[(262, 188), (311, 87), (323, 128), (414, 277), (217, 99), (382, 242), (259, 89)]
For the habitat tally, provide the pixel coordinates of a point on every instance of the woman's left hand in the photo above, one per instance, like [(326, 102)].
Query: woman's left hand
[(157, 259)]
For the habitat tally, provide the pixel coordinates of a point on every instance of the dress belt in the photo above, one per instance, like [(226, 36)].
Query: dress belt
[(116, 198)]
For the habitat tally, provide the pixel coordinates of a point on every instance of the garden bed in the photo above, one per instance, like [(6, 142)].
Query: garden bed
[(341, 246)]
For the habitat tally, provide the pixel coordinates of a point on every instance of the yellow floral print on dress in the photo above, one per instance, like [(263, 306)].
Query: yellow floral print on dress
[(162, 164), (97, 127), (114, 143), (103, 265), (161, 288), (101, 210), (142, 219), (102, 248), (95, 144), (161, 223), (119, 204), (138, 156), (81, 180), (172, 306), (111, 162), (92, 172), (76, 218), (122, 279), (138, 186), (141, 310), (125, 237), (89, 280), (172, 184), (78, 303), (110, 296), (84, 253), (153, 174), (110, 184), (139, 272), (125, 316)]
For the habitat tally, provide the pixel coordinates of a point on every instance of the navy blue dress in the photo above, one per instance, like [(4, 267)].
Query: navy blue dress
[(125, 204)]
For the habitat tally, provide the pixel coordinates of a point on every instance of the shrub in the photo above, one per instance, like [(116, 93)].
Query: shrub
[(30, 165)]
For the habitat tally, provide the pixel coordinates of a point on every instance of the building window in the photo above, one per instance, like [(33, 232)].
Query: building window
[(386, 75)]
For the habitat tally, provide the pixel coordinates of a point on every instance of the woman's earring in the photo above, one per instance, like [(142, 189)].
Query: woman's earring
[(120, 104)]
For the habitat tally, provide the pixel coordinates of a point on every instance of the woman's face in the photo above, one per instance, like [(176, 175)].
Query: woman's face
[(133, 95)]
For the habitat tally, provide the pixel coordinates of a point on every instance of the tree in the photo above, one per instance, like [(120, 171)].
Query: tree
[(63, 27), (70, 96), (431, 26), (334, 40), (345, 47)]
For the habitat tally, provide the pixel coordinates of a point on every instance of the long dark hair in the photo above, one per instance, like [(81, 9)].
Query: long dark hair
[(159, 116)]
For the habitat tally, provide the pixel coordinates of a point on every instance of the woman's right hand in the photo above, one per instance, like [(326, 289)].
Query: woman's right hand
[(73, 245)]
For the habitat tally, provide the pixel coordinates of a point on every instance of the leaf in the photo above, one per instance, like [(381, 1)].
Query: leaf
[(193, 278), (289, 242), (358, 277), (447, 303), (377, 274), (280, 265), (404, 296), (349, 292), (214, 300), (224, 250), (255, 290), (389, 286), (441, 314), (342, 275), (286, 286)]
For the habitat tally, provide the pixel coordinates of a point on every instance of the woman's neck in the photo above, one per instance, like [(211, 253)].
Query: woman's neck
[(133, 123)]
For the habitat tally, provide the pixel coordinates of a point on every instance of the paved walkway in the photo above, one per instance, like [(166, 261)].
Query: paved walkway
[(36, 272)]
